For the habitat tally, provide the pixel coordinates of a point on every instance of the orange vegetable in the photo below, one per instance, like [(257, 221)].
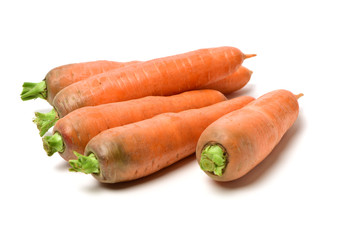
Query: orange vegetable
[(162, 77), (63, 76), (142, 148), (75, 130), (226, 85), (237, 142), (232, 82)]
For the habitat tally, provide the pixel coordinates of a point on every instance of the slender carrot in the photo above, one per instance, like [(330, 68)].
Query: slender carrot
[(226, 85), (75, 130), (142, 148), (162, 77), (63, 76), (231, 83), (237, 142)]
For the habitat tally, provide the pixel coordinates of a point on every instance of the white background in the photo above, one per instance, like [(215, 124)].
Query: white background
[(293, 194)]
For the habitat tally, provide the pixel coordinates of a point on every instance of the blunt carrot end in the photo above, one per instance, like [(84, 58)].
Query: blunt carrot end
[(213, 159), (53, 144), (85, 164), (33, 91), (45, 121)]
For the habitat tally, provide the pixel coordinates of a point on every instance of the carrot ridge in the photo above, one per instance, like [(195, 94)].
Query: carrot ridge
[(33, 90)]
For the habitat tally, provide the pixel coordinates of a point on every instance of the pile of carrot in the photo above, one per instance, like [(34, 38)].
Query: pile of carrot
[(121, 121)]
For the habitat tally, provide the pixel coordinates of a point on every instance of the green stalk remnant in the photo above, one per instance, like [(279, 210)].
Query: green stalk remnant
[(33, 90), (85, 164), (53, 144), (213, 159), (45, 121)]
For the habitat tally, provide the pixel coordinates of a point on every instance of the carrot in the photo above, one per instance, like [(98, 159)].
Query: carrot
[(231, 83), (237, 142), (63, 76), (162, 77), (226, 85), (142, 148), (75, 130)]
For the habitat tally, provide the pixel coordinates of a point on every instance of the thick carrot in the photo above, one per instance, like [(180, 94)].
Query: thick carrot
[(162, 77), (142, 148), (237, 142), (75, 130), (63, 76), (232, 82)]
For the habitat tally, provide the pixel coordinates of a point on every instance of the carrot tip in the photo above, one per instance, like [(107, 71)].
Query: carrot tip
[(299, 95), (33, 91), (53, 144), (45, 121), (249, 55), (213, 159), (85, 164)]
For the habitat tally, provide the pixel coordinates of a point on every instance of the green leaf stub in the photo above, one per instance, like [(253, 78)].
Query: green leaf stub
[(213, 159), (85, 164)]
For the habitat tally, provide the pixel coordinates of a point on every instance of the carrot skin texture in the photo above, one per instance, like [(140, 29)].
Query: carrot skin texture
[(158, 77), (81, 125), (232, 82), (226, 85), (63, 76), (139, 149), (249, 134)]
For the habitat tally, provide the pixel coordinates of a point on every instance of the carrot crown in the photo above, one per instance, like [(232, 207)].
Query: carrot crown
[(33, 91), (213, 159), (45, 121), (53, 144), (85, 164)]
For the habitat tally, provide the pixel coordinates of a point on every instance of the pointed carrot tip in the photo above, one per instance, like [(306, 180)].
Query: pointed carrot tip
[(249, 55), (299, 95), (250, 72)]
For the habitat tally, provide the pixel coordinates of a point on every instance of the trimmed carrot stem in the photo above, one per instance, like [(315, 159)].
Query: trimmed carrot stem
[(213, 159), (33, 90), (85, 164), (53, 144), (45, 121)]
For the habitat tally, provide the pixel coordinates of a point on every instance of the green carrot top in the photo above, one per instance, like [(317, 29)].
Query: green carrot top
[(53, 144), (213, 159), (33, 90), (45, 121), (85, 164)]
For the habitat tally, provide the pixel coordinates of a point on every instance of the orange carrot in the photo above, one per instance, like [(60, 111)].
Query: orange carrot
[(142, 148), (63, 76), (75, 130), (231, 83), (237, 142), (226, 85), (162, 77)]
